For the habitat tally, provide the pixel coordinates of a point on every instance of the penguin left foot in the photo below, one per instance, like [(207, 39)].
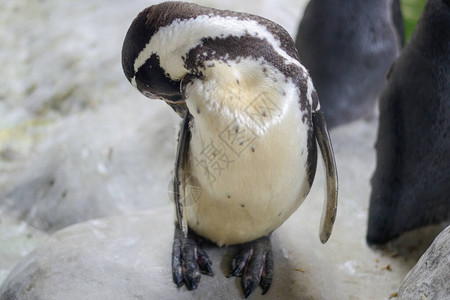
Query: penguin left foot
[(254, 262), (188, 260)]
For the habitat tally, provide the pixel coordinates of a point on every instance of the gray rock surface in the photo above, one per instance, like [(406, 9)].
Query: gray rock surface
[(430, 278), (128, 256), (17, 239), (98, 163)]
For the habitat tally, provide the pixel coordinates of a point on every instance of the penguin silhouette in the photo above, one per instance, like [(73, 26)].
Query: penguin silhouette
[(348, 47), (247, 153), (411, 183)]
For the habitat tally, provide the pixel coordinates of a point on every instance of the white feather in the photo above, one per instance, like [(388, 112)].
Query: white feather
[(244, 191), (172, 42)]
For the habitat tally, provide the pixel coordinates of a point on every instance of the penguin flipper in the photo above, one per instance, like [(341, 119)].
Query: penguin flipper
[(330, 205), (180, 159)]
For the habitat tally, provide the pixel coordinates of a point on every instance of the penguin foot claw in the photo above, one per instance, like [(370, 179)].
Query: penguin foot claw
[(188, 260), (254, 262)]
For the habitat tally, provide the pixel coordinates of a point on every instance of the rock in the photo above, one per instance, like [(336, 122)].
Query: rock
[(62, 60), (122, 258), (430, 278), (97, 164), (17, 239), (129, 256)]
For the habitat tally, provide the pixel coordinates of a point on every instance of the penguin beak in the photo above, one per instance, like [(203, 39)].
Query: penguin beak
[(169, 98)]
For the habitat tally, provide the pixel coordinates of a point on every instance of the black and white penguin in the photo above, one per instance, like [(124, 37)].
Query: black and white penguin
[(411, 183), (348, 47), (246, 155)]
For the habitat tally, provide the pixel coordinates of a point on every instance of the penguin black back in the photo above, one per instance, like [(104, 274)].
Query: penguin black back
[(348, 46), (410, 186)]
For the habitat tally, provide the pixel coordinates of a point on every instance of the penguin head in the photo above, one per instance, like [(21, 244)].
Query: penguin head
[(156, 48), (141, 64), (229, 57)]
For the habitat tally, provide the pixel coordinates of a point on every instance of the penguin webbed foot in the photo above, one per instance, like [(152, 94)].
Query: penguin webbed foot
[(189, 260), (254, 262)]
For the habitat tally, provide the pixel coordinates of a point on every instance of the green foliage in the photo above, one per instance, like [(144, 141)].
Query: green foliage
[(411, 10)]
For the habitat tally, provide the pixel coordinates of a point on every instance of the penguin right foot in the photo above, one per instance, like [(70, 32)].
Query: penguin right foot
[(188, 260), (254, 262)]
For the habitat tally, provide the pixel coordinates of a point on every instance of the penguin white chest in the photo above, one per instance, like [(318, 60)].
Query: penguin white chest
[(246, 173)]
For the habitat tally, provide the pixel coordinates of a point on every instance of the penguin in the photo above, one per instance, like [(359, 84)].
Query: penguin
[(348, 47), (246, 154), (410, 185)]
